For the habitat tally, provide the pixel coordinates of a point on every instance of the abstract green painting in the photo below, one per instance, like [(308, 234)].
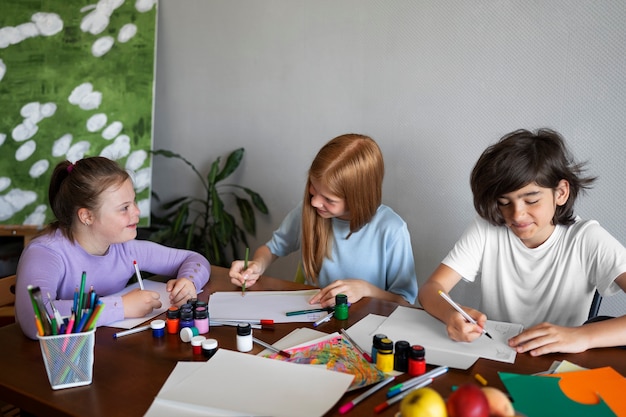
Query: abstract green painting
[(76, 80)]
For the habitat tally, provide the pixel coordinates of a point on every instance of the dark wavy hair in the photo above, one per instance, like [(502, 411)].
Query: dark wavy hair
[(521, 158)]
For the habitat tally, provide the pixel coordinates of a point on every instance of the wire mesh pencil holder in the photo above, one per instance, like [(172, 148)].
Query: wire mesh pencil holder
[(68, 358)]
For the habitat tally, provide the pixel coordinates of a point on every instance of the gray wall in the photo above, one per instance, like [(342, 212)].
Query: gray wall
[(434, 82)]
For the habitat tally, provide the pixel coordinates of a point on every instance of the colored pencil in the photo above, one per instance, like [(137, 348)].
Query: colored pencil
[(462, 312), (138, 274), (272, 348), (245, 266)]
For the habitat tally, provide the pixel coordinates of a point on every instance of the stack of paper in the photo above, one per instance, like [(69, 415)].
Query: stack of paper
[(236, 384)]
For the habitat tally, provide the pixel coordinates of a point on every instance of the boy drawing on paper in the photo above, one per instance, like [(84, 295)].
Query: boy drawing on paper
[(539, 264), (93, 201), (351, 243)]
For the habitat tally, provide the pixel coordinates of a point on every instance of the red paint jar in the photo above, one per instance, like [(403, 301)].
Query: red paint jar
[(417, 360)]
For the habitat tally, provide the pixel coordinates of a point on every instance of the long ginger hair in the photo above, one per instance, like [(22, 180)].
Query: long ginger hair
[(351, 166)]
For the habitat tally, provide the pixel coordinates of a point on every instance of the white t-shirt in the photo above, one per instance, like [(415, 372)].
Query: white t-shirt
[(554, 282)]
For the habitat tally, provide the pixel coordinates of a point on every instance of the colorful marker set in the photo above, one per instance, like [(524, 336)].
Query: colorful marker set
[(85, 312), (397, 392)]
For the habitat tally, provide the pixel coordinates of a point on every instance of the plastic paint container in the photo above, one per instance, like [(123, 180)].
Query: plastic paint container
[(244, 337), (384, 356), (186, 318), (187, 333), (341, 307), (196, 344), (401, 356), (201, 319), (209, 347), (376, 345), (417, 360), (158, 328), (172, 320)]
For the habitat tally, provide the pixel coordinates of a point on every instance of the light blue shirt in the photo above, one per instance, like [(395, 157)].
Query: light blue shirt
[(379, 253)]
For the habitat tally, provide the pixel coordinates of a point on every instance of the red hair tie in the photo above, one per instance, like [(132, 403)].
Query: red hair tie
[(70, 167)]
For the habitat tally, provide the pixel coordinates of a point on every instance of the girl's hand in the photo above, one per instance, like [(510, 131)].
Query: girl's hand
[(181, 290), (547, 338), (355, 289), (238, 275), (138, 303), (460, 330)]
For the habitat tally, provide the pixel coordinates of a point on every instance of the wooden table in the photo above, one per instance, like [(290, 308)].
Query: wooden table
[(129, 372)]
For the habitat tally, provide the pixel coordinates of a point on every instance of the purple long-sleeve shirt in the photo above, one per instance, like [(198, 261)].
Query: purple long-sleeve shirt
[(55, 265)]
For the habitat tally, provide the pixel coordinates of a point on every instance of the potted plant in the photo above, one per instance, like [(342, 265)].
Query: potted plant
[(205, 224)]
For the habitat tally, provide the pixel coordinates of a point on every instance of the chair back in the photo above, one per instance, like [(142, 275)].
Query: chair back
[(595, 305), (7, 290)]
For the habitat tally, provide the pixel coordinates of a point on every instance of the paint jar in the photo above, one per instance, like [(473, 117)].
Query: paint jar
[(417, 360), (244, 337), (209, 347), (201, 319), (186, 318), (376, 345), (172, 321), (401, 356), (341, 307), (158, 328), (193, 302), (384, 356), (187, 333), (196, 344)]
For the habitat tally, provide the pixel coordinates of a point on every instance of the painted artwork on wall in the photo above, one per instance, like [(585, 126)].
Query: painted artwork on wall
[(76, 80)]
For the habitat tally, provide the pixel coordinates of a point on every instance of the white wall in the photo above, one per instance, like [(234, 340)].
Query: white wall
[(434, 82)]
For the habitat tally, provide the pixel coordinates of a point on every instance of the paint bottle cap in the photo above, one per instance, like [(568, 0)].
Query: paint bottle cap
[(197, 340), (341, 299), (377, 338), (172, 313), (209, 344), (386, 345), (157, 324), (200, 313), (244, 329), (417, 352), (186, 333)]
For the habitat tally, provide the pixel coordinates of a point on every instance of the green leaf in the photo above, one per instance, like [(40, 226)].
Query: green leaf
[(180, 220), (232, 162), (215, 166), (247, 215), (217, 206), (173, 203), (203, 223), (257, 200)]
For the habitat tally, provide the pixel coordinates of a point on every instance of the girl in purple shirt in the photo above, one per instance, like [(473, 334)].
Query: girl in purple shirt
[(93, 202)]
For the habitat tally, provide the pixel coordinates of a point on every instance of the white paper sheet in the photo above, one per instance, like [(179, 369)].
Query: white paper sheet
[(263, 305), (364, 330), (302, 336), (148, 285), (418, 327), (233, 382)]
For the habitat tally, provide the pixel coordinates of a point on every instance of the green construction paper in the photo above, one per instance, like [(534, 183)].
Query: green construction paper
[(538, 396)]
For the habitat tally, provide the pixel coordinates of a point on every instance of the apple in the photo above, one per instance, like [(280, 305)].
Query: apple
[(468, 401), (423, 402), (499, 403)]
